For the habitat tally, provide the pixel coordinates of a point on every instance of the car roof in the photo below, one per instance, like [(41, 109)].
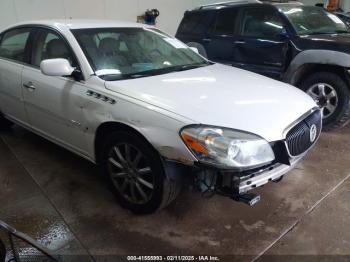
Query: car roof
[(81, 24), (220, 5), (241, 3)]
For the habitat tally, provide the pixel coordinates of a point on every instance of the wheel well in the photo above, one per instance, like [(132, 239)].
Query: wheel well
[(308, 69), (109, 127)]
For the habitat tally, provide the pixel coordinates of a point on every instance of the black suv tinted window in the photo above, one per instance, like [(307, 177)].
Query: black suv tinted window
[(226, 22), (259, 22), (13, 44), (194, 23)]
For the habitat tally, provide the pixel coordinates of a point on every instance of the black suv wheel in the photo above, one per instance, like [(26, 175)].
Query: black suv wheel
[(136, 173), (332, 94)]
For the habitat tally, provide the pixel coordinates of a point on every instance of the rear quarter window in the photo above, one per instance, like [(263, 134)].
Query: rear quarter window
[(195, 23), (13, 44)]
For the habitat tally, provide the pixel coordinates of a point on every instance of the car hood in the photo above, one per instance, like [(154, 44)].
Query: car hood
[(345, 38), (222, 96), (335, 42)]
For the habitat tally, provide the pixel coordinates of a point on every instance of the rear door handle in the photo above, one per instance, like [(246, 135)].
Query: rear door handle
[(207, 40), (30, 86)]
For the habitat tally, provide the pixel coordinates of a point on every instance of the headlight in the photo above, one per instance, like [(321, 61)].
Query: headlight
[(225, 148)]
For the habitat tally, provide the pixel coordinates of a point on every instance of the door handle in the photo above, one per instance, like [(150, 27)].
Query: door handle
[(207, 40), (30, 86), (239, 42)]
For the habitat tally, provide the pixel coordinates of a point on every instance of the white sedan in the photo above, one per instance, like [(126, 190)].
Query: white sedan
[(151, 111)]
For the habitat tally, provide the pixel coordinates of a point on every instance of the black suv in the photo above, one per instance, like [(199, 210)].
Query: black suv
[(303, 45)]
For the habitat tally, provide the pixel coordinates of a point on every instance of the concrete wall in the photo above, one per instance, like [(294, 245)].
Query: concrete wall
[(171, 11)]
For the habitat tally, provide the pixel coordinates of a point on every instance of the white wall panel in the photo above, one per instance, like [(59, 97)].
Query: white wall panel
[(38, 9), (92, 9), (7, 13), (171, 11), (345, 5), (122, 10)]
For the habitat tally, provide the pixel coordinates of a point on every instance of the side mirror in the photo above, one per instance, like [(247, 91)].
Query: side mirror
[(195, 49), (56, 67), (283, 34)]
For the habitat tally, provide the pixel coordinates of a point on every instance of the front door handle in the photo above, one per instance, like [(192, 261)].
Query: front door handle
[(30, 86)]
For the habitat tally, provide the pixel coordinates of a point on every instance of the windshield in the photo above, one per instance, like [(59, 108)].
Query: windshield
[(308, 20), (125, 53)]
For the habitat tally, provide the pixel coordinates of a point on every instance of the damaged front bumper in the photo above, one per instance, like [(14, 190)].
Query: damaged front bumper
[(260, 178), (237, 186), (300, 138)]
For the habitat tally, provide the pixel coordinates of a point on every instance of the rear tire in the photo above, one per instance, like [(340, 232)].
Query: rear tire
[(4, 123), (136, 173), (2, 251), (332, 94)]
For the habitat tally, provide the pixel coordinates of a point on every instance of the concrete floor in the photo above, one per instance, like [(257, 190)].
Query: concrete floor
[(62, 201)]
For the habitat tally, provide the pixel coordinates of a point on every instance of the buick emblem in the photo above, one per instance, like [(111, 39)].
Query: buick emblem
[(313, 133)]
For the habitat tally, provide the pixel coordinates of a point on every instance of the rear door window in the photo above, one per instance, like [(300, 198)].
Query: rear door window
[(13, 44), (226, 22)]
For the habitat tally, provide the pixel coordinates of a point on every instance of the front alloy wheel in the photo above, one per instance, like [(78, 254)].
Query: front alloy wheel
[(131, 173), (326, 97), (136, 173)]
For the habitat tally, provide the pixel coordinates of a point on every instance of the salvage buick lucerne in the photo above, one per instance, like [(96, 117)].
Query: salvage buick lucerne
[(152, 112)]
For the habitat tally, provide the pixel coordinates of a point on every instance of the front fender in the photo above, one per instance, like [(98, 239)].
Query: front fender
[(159, 128)]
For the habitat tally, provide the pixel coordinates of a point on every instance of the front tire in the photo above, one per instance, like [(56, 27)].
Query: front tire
[(332, 95), (136, 173)]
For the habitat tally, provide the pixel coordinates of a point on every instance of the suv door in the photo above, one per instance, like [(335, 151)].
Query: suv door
[(12, 56), (262, 44), (220, 44), (54, 104)]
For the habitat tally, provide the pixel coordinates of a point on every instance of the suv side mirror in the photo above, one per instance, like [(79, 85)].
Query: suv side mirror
[(56, 67), (283, 34)]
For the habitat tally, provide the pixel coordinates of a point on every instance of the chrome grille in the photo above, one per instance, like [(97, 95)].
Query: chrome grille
[(299, 137)]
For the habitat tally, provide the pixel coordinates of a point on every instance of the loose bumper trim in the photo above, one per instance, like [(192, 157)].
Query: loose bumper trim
[(264, 177)]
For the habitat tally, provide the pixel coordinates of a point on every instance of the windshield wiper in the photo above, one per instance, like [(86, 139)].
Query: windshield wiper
[(158, 71), (190, 66)]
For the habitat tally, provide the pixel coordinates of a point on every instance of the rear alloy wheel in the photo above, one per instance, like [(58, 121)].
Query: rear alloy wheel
[(135, 171), (332, 95)]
